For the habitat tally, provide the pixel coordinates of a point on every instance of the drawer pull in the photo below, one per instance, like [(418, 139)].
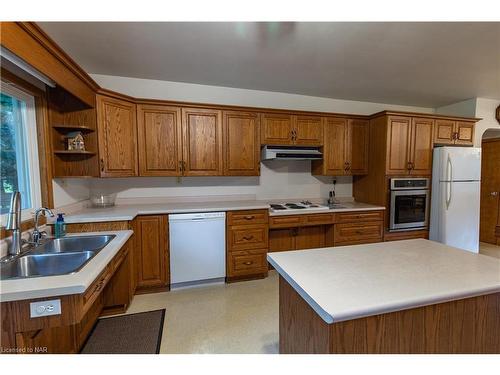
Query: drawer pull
[(248, 238), (359, 232), (248, 263), (249, 217)]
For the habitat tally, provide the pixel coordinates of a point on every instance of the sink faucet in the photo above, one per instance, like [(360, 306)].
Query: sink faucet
[(37, 235), (14, 224)]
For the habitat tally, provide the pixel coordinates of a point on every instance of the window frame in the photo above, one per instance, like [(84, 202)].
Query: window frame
[(32, 157)]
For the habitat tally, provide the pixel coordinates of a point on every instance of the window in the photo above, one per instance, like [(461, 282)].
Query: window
[(19, 165)]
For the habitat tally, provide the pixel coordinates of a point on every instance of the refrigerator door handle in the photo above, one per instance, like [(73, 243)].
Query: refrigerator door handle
[(449, 176)]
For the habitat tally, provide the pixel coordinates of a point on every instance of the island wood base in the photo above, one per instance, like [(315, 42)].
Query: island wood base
[(469, 325)]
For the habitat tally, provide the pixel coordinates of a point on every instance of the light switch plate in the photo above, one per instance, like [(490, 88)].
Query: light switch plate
[(45, 308)]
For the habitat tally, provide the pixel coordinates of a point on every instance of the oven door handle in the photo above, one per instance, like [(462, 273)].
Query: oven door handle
[(449, 172)]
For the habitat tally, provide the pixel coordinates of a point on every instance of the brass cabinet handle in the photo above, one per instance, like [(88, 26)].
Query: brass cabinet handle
[(249, 217), (247, 263), (102, 165), (248, 238)]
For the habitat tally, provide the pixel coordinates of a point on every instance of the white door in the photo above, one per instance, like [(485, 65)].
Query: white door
[(460, 163), (459, 225)]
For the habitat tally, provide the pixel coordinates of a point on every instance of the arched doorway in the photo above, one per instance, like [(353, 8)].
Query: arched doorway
[(489, 228)]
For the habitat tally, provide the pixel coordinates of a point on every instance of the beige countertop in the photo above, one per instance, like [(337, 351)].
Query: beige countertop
[(351, 282), (76, 283), (128, 212)]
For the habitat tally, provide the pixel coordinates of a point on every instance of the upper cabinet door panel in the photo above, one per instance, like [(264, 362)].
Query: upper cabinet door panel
[(202, 139), (464, 133), (241, 143), (276, 129), (335, 146), (308, 130), (117, 131), (444, 131), (398, 140), (358, 143), (421, 146), (160, 145)]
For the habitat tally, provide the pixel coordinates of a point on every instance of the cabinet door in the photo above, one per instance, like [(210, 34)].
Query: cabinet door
[(398, 142), (444, 132), (358, 138), (117, 133), (308, 130), (160, 140), (202, 142), (241, 143), (282, 239), (335, 147), (464, 133), (276, 129), (310, 237), (152, 248), (421, 146)]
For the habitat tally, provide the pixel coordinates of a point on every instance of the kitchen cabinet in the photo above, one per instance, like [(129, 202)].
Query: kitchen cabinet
[(241, 148), (247, 243), (409, 146), (202, 142), (159, 140), (117, 130), (451, 132), (287, 129), (151, 246), (298, 238), (345, 148)]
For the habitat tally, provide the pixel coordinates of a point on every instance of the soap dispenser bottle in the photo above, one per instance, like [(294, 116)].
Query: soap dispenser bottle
[(60, 226)]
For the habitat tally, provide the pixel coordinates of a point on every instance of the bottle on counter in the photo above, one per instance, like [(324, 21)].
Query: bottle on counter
[(60, 226)]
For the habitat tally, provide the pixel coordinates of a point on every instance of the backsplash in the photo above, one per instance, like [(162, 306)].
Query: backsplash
[(279, 179)]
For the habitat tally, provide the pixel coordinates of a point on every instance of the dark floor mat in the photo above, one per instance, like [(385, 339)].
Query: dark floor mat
[(127, 334)]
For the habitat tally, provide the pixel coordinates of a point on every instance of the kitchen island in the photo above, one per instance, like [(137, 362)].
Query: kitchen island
[(413, 296)]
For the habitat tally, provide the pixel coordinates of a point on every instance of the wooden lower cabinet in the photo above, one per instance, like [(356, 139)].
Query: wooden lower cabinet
[(299, 238), (151, 253), (67, 332), (247, 243)]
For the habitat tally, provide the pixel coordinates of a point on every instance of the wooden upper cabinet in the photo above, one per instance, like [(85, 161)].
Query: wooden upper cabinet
[(160, 140), (345, 148), (241, 148), (117, 133), (276, 129), (464, 133), (307, 130), (421, 146), (398, 142), (202, 142), (449, 132), (444, 132), (357, 146), (334, 148)]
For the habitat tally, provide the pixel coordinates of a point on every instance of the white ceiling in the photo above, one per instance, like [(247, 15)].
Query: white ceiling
[(421, 64)]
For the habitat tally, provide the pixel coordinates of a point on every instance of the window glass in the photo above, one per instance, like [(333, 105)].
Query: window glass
[(18, 150)]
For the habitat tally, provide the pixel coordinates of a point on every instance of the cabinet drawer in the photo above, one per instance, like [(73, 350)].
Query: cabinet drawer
[(248, 237), (249, 262), (358, 232), (247, 217), (286, 221), (352, 217), (118, 259), (95, 289), (319, 219)]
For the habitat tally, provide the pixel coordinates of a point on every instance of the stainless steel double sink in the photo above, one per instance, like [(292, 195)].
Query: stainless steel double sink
[(54, 257)]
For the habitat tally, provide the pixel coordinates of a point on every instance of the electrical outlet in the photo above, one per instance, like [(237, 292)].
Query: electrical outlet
[(45, 308)]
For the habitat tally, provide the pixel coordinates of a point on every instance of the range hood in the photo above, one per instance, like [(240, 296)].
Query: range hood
[(290, 153)]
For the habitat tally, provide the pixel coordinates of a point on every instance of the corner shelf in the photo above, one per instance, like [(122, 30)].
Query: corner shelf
[(75, 152), (82, 128)]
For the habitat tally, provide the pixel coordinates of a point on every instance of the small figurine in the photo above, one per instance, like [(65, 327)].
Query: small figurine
[(75, 141)]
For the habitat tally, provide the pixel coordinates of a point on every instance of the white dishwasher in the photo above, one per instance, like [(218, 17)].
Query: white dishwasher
[(197, 248)]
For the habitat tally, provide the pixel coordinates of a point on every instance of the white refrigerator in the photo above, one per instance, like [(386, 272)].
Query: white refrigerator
[(456, 191)]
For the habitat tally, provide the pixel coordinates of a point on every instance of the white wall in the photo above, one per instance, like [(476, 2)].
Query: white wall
[(465, 108), (70, 190), (279, 179)]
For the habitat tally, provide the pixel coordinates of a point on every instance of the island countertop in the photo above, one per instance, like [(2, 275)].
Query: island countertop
[(351, 282)]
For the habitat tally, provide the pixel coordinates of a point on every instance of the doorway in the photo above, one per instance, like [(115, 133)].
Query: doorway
[(489, 228)]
